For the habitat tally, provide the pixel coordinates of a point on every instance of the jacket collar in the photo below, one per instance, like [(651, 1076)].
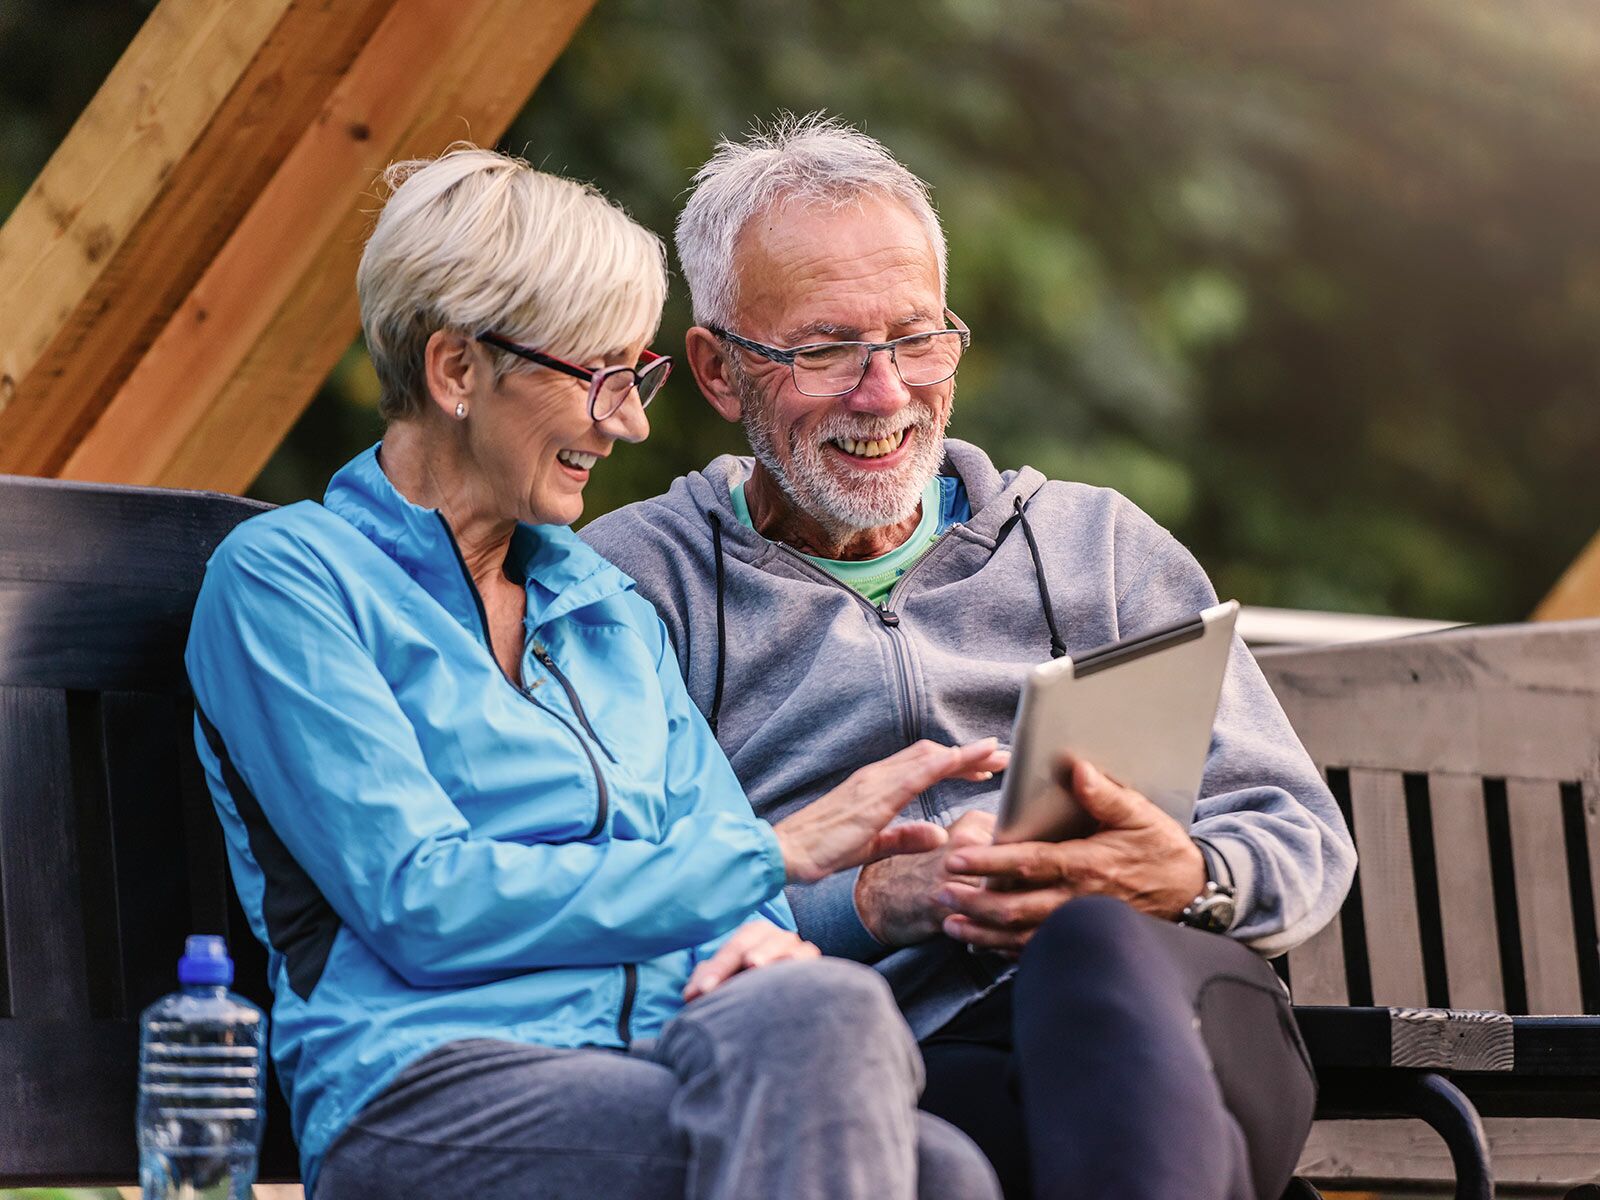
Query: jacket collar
[(561, 573)]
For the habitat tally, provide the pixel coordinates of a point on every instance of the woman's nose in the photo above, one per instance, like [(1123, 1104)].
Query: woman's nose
[(629, 423)]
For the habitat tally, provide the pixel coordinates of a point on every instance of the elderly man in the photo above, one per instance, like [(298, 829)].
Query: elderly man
[(865, 582)]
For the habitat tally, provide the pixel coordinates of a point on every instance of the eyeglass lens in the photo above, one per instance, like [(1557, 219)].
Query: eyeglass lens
[(612, 387), (922, 360)]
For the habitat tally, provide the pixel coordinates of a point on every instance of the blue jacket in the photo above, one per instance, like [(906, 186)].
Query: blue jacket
[(428, 852)]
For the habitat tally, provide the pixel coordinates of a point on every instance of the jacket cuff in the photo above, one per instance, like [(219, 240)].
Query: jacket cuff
[(772, 858), (826, 913), (1237, 862)]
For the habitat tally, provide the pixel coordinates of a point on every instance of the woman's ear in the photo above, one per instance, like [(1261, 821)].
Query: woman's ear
[(456, 370), (708, 362)]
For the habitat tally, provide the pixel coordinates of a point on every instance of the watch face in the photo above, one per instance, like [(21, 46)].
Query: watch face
[(1220, 911)]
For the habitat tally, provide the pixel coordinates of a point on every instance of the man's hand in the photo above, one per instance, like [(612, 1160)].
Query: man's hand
[(898, 898), (850, 825), (1139, 854), (757, 943)]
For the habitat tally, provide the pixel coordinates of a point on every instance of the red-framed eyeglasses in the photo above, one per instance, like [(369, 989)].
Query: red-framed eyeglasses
[(609, 386)]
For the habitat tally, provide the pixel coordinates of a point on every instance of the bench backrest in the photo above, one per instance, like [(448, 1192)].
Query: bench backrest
[(1468, 765), (109, 850)]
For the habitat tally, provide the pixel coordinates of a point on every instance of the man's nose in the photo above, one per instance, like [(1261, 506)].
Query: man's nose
[(881, 390)]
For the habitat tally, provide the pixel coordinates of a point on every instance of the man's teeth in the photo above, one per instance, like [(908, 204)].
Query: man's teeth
[(873, 449), (575, 458)]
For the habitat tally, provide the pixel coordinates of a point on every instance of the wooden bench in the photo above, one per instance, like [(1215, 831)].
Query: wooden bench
[(109, 849), (1468, 765)]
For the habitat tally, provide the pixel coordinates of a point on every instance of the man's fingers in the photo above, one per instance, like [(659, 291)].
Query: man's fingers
[(908, 837), (1108, 802), (1035, 864), (964, 929), (1009, 911)]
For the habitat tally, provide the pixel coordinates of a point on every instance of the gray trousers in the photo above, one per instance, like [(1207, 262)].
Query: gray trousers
[(797, 1081)]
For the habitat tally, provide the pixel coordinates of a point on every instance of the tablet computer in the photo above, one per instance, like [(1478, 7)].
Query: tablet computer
[(1140, 710)]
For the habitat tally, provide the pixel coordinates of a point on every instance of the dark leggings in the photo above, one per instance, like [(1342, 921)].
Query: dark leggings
[(1128, 1058)]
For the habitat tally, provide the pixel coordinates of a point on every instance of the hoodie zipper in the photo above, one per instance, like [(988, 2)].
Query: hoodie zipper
[(889, 621), (603, 796)]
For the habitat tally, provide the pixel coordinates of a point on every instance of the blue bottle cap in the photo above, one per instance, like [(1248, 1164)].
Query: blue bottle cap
[(205, 962)]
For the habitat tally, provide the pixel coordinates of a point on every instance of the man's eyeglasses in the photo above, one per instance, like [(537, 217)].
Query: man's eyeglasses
[(837, 368), (609, 386)]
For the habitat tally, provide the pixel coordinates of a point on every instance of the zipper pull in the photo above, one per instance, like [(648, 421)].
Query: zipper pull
[(889, 618)]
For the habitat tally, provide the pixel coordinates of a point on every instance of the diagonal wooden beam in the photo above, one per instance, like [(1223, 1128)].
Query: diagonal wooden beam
[(192, 122), (1577, 593), (235, 360)]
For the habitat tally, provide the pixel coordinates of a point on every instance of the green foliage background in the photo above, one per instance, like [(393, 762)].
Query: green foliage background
[(1316, 283)]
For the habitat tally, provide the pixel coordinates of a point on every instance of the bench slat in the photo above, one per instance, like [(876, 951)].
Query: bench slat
[(1539, 855), (1466, 893), (1549, 1154), (1388, 895), (1316, 968)]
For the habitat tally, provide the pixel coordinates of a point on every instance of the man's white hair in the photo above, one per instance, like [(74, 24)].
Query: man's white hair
[(476, 240), (814, 159)]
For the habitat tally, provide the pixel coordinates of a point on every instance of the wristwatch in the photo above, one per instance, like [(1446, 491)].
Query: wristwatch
[(1213, 909)]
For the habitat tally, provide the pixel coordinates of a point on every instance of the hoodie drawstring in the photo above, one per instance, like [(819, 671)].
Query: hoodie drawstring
[(1057, 647), (722, 626)]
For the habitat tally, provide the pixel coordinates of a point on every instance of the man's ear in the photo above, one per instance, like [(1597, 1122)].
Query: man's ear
[(454, 370), (708, 362)]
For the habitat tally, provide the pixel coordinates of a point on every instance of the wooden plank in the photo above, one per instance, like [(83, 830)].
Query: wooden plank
[(1513, 701), (1577, 593), (192, 122), (41, 909), (1316, 968), (1388, 895), (246, 350), (1549, 1155), (1544, 902), (1466, 894)]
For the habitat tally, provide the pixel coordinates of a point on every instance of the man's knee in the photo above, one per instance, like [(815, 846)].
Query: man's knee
[(1094, 930)]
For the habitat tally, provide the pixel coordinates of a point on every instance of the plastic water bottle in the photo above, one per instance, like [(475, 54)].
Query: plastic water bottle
[(201, 1083)]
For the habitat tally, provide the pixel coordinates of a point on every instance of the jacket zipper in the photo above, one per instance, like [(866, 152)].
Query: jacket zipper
[(604, 800), (889, 620), (630, 989), (545, 657)]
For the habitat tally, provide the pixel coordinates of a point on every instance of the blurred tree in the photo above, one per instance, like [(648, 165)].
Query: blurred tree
[(1316, 284)]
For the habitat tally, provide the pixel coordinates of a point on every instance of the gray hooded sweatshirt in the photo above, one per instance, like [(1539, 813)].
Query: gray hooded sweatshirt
[(807, 681)]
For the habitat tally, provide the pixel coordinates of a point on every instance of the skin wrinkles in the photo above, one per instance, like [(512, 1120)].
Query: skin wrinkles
[(866, 272), (863, 272), (498, 466)]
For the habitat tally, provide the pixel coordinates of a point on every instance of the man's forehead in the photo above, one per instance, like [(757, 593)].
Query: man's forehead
[(829, 271)]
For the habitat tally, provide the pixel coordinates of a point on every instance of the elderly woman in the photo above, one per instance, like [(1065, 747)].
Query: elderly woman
[(526, 937)]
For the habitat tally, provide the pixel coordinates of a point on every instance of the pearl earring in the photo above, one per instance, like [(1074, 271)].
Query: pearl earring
[(461, 411)]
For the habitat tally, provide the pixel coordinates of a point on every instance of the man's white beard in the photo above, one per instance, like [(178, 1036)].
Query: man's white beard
[(839, 499)]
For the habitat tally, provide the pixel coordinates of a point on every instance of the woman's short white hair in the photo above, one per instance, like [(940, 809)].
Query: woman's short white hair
[(475, 240), (814, 159)]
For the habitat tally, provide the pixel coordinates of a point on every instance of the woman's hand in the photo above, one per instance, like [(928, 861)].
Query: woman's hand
[(845, 827), (755, 944)]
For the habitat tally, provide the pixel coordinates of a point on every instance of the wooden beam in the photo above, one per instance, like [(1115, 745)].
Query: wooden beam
[(1577, 593), (258, 328), (192, 122)]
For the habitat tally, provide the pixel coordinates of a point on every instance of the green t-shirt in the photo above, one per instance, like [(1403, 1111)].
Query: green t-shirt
[(872, 577)]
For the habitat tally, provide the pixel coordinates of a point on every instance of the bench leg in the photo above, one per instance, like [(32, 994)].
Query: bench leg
[(1452, 1116)]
